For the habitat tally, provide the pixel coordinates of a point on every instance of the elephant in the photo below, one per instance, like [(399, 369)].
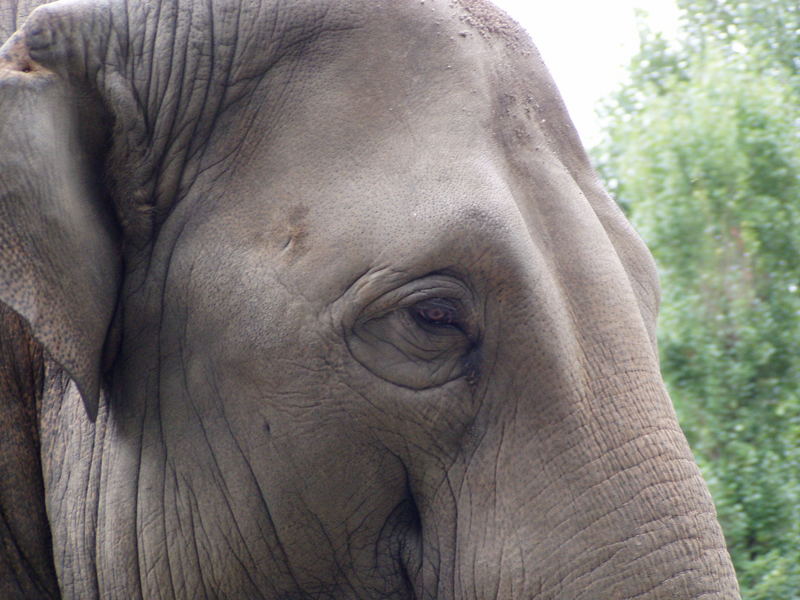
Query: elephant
[(323, 299)]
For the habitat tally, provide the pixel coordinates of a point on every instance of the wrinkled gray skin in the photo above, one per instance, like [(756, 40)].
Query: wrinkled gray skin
[(332, 306)]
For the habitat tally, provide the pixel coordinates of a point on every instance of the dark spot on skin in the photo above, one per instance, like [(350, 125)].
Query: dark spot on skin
[(296, 229), (507, 104), (17, 56), (472, 363), (471, 437)]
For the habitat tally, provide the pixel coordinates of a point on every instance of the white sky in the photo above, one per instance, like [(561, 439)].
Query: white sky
[(586, 44)]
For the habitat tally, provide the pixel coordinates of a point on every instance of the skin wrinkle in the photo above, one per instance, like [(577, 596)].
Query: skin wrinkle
[(176, 121), (58, 385), (204, 574), (399, 540), (156, 98), (183, 362), (615, 450), (135, 510), (581, 424), (665, 581), (237, 151), (262, 496), (26, 562), (330, 542), (556, 481), (340, 570), (592, 572), (212, 115), (161, 436), (612, 510), (224, 105), (92, 507), (222, 484), (496, 593), (180, 587), (158, 409), (647, 488), (229, 546), (208, 444), (447, 484), (462, 515), (183, 150)]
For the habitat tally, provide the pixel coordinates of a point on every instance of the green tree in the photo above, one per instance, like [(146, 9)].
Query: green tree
[(703, 152), (772, 27)]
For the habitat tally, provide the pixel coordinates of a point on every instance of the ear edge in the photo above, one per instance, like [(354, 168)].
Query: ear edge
[(59, 243)]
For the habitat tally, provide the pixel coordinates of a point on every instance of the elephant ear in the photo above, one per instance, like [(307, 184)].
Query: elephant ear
[(59, 259)]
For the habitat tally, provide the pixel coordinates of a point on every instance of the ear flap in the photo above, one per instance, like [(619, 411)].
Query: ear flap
[(59, 263)]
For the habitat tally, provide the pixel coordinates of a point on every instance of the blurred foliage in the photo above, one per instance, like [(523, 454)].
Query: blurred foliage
[(702, 150)]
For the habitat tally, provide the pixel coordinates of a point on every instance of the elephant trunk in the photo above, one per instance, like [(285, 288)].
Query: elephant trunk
[(585, 505)]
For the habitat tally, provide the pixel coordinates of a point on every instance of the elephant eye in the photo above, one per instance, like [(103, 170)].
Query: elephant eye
[(420, 335), (437, 312)]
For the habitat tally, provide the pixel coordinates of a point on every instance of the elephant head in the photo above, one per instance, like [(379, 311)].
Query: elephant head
[(333, 306)]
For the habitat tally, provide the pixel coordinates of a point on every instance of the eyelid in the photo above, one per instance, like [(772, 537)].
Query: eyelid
[(456, 325), (448, 305), (419, 291)]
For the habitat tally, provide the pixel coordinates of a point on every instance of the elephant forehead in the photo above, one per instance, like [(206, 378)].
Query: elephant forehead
[(431, 217), (393, 147), (407, 80)]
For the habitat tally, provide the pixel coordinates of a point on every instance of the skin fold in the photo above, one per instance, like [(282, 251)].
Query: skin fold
[(322, 299)]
